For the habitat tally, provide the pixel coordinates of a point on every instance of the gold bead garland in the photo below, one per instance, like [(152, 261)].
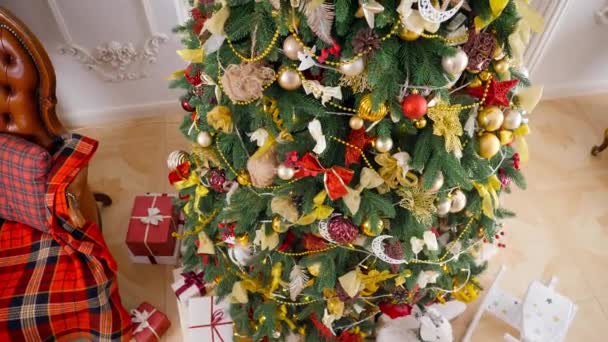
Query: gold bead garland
[(264, 53), (201, 225), (355, 147), (457, 40), (308, 252), (292, 30)]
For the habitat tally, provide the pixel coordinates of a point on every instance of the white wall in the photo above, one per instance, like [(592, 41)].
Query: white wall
[(84, 95), (575, 61)]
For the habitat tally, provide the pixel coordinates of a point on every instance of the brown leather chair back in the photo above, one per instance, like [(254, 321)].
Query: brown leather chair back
[(27, 84)]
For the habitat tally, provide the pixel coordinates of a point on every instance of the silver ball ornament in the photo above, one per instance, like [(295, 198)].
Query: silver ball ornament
[(459, 201), (176, 158), (285, 173), (455, 64), (353, 68), (291, 47), (356, 122), (513, 119), (204, 139), (383, 145), (437, 183), (443, 207), (289, 80)]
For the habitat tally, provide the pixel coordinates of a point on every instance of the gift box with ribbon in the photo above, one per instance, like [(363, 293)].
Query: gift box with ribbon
[(208, 320), (149, 235), (149, 324), (188, 285)]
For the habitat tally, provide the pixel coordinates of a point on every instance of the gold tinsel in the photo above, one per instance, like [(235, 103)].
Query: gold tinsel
[(207, 156), (220, 118), (446, 123), (419, 202), (358, 83)]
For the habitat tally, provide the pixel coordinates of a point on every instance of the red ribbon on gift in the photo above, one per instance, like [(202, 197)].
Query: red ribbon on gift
[(335, 178), (216, 321), (190, 279)]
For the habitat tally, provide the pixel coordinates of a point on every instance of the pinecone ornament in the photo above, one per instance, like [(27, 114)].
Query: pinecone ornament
[(395, 251), (342, 230), (365, 39)]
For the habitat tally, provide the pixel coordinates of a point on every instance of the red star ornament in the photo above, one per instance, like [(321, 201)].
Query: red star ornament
[(497, 92)]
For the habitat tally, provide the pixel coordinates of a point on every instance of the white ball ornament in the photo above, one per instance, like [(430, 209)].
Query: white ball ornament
[(443, 207), (459, 201), (353, 68), (356, 122), (437, 183), (289, 80), (285, 173), (204, 139), (513, 119), (383, 144), (176, 158), (291, 47), (455, 64)]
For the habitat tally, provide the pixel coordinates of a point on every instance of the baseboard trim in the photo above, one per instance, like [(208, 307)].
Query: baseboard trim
[(575, 89), (112, 114)]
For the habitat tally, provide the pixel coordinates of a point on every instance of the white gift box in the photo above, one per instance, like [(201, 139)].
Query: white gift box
[(184, 293), (209, 321)]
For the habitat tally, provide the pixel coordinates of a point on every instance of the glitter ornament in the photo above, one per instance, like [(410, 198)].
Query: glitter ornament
[(342, 230)]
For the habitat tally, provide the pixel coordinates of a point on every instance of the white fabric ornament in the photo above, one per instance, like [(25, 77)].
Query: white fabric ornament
[(259, 136), (307, 60), (322, 92), (428, 238), (430, 13), (316, 131), (426, 277), (370, 8)]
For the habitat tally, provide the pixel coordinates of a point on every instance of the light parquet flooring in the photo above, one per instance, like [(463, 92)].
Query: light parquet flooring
[(561, 228)]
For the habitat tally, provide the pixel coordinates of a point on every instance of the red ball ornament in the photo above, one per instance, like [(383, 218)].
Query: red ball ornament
[(186, 106), (414, 106), (193, 77)]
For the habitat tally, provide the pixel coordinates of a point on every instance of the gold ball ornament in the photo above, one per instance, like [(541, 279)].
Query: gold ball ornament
[(443, 207), (291, 47), (502, 66), (485, 75), (383, 145), (289, 79), (505, 137), (356, 122), (499, 53), (365, 109), (490, 118), (420, 123), (285, 173), (204, 139), (488, 145), (459, 201), (243, 240), (476, 82), (262, 319), (370, 230), (278, 225), (243, 178), (408, 35), (353, 68), (314, 269)]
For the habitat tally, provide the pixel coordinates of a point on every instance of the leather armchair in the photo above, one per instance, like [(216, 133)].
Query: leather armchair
[(27, 103)]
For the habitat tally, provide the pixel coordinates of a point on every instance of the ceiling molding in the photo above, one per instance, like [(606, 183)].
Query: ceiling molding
[(113, 61)]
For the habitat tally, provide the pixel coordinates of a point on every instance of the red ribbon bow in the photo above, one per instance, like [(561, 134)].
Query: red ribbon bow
[(191, 278), (334, 50), (335, 178)]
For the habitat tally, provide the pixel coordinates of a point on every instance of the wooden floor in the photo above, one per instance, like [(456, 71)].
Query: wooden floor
[(561, 229)]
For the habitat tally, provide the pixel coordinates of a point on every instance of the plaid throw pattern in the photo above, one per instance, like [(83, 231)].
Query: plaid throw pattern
[(23, 174), (60, 285)]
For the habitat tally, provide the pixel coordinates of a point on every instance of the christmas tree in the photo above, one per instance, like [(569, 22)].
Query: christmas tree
[(348, 155)]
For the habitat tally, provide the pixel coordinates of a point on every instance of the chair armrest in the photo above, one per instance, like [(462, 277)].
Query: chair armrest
[(82, 203)]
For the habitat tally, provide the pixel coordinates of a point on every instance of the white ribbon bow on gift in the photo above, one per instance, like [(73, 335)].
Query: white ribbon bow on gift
[(426, 277), (314, 127), (141, 319), (369, 179), (428, 238), (154, 217)]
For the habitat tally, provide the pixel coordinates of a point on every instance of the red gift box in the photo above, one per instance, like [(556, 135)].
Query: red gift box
[(153, 220), (149, 324)]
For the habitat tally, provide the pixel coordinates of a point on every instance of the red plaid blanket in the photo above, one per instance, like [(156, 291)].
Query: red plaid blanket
[(61, 285)]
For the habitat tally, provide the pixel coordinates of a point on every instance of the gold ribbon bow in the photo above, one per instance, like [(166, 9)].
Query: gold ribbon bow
[(520, 140), (531, 21), (192, 55), (395, 169), (487, 192), (320, 211), (496, 6), (282, 315), (372, 279), (200, 191), (369, 179)]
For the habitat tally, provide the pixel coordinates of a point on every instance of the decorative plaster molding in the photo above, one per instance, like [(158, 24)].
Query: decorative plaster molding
[(552, 11), (115, 61)]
